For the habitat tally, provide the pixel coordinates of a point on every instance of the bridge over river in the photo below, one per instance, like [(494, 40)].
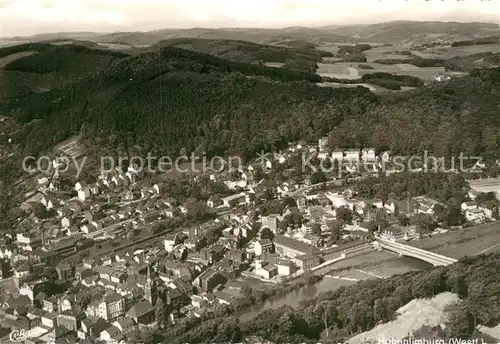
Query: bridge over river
[(414, 252)]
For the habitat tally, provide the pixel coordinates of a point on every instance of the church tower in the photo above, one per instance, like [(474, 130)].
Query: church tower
[(150, 289)]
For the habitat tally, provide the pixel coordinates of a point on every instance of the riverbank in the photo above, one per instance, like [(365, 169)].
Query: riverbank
[(346, 272), (294, 297)]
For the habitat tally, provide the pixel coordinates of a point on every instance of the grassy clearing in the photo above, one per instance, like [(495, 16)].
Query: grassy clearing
[(10, 58), (466, 242)]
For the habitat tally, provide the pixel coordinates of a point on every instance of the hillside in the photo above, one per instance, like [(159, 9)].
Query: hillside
[(246, 51), (478, 41), (444, 119), (389, 32), (183, 99), (359, 308), (463, 63), (180, 99), (33, 68), (255, 35), (412, 316), (416, 32)]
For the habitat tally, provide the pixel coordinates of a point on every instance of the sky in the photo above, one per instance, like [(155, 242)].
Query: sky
[(28, 17)]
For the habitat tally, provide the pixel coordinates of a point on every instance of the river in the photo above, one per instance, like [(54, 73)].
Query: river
[(293, 298)]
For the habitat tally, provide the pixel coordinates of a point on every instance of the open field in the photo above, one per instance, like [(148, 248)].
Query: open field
[(465, 242), (350, 70), (386, 52), (340, 71), (8, 59), (337, 85), (486, 185), (449, 52), (426, 74), (274, 64), (115, 46)]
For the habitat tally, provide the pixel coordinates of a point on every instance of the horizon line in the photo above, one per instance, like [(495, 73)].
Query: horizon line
[(323, 26)]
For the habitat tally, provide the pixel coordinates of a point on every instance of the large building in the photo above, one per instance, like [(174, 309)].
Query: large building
[(109, 308), (263, 246), (345, 250), (292, 248)]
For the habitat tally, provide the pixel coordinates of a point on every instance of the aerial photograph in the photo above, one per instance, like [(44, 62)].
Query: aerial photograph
[(250, 172)]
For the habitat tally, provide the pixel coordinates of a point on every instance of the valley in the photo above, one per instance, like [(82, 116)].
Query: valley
[(333, 225)]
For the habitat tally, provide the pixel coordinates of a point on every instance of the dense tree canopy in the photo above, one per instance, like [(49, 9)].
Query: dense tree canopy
[(360, 307), (163, 102)]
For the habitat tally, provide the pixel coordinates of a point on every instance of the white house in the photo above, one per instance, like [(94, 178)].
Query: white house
[(66, 222), (80, 185), (369, 154), (352, 155), (285, 268), (109, 334), (322, 143), (263, 246), (441, 77), (84, 193), (88, 228), (283, 189), (49, 202), (337, 155), (265, 270), (468, 205)]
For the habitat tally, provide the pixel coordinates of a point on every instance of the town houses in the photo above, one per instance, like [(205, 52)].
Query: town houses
[(99, 258)]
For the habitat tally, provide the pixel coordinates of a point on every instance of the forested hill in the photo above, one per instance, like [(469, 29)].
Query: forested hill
[(461, 115), (37, 67), (163, 102), (249, 52)]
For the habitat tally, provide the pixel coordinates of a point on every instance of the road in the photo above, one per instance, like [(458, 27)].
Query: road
[(415, 252)]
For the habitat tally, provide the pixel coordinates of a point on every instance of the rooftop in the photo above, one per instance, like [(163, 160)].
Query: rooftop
[(295, 244)]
